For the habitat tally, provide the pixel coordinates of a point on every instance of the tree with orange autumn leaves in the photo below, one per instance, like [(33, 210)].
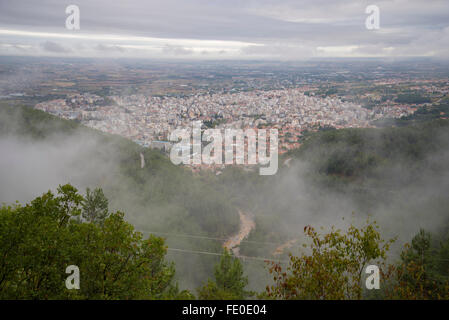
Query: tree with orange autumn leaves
[(332, 267)]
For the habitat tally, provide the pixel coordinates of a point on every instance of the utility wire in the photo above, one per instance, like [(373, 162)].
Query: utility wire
[(209, 238), (219, 254), (224, 239)]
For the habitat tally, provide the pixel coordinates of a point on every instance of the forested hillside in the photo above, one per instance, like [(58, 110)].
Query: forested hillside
[(160, 197), (397, 176)]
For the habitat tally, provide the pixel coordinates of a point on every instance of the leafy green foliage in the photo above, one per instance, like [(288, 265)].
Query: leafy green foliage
[(38, 241), (95, 206), (159, 197), (332, 266), (229, 283), (423, 272)]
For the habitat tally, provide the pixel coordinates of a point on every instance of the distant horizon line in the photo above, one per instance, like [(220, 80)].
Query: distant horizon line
[(264, 60)]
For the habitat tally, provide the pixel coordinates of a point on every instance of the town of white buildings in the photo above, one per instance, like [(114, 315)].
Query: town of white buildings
[(148, 119)]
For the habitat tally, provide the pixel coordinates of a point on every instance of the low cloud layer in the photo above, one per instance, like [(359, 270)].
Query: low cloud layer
[(30, 168)]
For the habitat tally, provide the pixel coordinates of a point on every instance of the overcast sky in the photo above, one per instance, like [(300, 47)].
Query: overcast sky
[(225, 29)]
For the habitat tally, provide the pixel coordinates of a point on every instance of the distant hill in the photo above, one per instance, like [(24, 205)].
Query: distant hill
[(398, 175), (356, 153), (423, 114), (161, 197), (399, 172)]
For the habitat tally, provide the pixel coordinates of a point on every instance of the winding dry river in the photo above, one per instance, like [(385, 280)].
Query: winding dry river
[(247, 224)]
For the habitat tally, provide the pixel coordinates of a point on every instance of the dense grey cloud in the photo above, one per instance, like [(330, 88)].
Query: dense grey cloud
[(290, 29), (53, 47), (176, 50)]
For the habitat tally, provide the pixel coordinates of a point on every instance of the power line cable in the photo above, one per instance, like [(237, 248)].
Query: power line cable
[(224, 239), (210, 238), (219, 254)]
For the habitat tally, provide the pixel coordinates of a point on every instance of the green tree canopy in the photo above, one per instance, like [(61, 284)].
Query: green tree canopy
[(423, 271), (39, 240), (230, 281), (331, 266)]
